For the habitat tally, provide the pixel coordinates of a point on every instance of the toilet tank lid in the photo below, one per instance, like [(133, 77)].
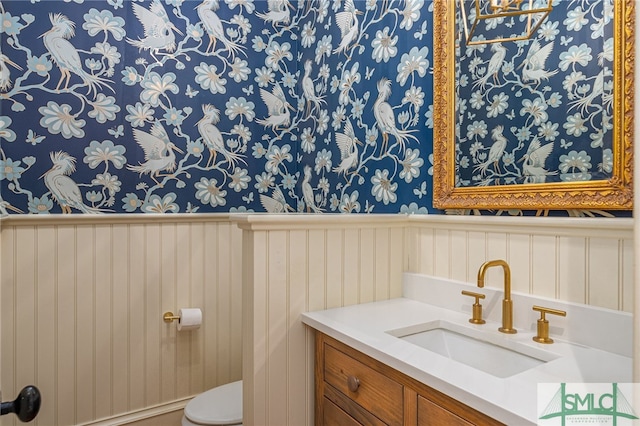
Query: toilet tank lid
[(221, 405)]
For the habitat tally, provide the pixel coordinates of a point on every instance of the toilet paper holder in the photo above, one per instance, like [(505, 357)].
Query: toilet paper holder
[(169, 317), (188, 318)]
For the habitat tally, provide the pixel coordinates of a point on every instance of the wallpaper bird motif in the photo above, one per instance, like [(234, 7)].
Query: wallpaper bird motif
[(215, 105), (325, 106)]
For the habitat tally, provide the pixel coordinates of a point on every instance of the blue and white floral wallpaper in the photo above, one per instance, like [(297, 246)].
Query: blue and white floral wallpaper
[(215, 105), (165, 106)]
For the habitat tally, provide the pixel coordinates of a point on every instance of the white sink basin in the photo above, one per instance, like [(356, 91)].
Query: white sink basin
[(482, 350)]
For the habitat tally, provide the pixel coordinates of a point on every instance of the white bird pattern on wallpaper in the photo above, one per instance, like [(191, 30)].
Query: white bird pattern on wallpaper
[(276, 203), (347, 21), (587, 100), (495, 64), (386, 119), (278, 108), (63, 189), (533, 167), (278, 12), (313, 68), (308, 89), (158, 150), (495, 152), (66, 56), (307, 192), (158, 29), (533, 66), (213, 26), (213, 138), (348, 144), (5, 72)]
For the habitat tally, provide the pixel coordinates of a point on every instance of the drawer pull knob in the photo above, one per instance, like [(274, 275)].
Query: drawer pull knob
[(353, 383)]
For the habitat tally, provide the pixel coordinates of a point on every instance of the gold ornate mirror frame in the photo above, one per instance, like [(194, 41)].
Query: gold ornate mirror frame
[(615, 193)]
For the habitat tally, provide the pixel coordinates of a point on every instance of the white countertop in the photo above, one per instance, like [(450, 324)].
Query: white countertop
[(511, 400)]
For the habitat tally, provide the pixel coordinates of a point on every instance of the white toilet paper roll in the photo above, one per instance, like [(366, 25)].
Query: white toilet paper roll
[(190, 319)]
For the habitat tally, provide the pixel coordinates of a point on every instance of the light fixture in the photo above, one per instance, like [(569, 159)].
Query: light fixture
[(519, 18)]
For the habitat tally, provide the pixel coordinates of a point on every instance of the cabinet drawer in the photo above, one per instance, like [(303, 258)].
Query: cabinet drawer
[(374, 392), (430, 414), (333, 415)]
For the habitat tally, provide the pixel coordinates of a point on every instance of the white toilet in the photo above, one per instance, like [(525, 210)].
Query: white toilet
[(218, 406)]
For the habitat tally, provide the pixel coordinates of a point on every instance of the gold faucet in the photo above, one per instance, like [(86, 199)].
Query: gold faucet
[(507, 303)]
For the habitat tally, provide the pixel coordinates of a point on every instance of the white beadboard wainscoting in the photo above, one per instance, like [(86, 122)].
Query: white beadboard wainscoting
[(295, 264), (82, 297), (582, 260), (81, 314)]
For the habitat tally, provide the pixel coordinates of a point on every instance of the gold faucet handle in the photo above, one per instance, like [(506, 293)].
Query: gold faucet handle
[(476, 317), (543, 323), (473, 294)]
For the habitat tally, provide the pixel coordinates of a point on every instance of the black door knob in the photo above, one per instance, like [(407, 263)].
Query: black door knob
[(25, 406)]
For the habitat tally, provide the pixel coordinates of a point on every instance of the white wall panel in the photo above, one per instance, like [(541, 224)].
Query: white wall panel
[(297, 354), (135, 247), (312, 264), (82, 303), (605, 273), (520, 262), (333, 263), (153, 311), (628, 278), (385, 262), (276, 320), (211, 264), (441, 252), (398, 261), (222, 310), (544, 266), (476, 249), (366, 275), (421, 248), (46, 372), (121, 306), (315, 260), (572, 269), (459, 244), (103, 334), (351, 272), (574, 259), (496, 247), (66, 393)]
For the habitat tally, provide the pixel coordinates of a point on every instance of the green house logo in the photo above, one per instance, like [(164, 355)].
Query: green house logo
[(589, 403)]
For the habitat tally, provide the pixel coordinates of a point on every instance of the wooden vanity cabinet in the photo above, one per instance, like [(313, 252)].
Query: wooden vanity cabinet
[(355, 389)]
